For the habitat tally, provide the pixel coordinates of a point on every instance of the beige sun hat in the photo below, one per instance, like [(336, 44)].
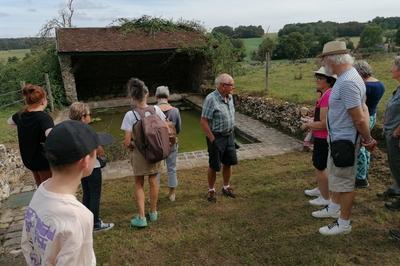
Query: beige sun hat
[(334, 47), (322, 71)]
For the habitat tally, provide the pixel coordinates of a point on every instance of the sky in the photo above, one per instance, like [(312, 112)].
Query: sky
[(24, 18)]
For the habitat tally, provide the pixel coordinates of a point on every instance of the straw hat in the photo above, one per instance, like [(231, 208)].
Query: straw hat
[(334, 47), (322, 71)]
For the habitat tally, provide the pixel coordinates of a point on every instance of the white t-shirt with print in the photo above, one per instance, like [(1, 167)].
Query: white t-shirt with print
[(58, 230), (130, 119)]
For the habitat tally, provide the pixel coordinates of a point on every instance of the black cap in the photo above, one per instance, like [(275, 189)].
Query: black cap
[(70, 141)]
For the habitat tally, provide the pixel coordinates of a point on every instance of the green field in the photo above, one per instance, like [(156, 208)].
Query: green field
[(20, 53), (251, 44), (284, 85)]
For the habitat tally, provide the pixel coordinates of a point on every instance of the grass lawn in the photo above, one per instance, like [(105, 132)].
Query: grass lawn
[(20, 53), (251, 44), (285, 86), (8, 134), (268, 223)]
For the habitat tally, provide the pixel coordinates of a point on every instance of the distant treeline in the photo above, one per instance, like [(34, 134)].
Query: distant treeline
[(241, 31), (19, 43), (301, 40)]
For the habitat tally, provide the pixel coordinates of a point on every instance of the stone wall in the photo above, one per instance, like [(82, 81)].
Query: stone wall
[(283, 115), (68, 78), (11, 171)]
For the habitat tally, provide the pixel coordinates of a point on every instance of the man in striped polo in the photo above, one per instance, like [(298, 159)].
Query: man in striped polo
[(348, 120), (217, 121)]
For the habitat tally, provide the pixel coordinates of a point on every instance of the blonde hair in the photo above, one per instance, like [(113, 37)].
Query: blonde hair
[(77, 110)]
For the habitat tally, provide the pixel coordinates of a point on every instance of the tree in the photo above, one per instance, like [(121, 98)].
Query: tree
[(227, 30), (397, 37), (64, 20), (294, 46), (371, 36), (249, 31), (267, 45)]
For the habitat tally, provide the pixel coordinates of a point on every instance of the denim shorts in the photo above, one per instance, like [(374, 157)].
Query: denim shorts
[(221, 151)]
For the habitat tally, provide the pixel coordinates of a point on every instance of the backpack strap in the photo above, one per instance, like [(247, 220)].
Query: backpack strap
[(142, 111)]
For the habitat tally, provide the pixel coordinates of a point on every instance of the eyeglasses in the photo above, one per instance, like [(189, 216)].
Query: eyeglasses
[(320, 78), (89, 114), (228, 85)]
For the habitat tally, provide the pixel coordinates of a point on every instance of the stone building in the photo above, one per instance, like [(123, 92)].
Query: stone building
[(96, 63)]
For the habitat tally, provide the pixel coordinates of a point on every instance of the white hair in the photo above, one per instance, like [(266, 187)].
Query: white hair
[(339, 59), (222, 78), (162, 92), (397, 62)]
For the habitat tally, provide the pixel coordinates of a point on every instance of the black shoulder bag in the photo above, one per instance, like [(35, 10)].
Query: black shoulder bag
[(342, 151)]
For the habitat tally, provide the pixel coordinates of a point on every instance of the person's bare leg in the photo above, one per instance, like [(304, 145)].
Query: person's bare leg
[(139, 194), (335, 197), (322, 180), (226, 174), (346, 203), (153, 192), (212, 176)]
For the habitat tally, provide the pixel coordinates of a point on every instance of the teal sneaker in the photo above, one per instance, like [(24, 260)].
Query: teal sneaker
[(140, 222), (153, 216)]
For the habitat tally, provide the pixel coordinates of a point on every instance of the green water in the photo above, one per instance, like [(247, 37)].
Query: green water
[(191, 137)]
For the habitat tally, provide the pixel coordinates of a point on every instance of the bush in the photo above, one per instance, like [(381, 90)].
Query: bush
[(31, 69)]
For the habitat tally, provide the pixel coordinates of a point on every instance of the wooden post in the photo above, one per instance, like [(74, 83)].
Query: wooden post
[(50, 94), (267, 58)]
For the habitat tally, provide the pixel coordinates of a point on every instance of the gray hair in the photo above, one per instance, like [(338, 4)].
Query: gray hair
[(363, 68), (397, 62), (222, 78), (162, 92), (339, 59)]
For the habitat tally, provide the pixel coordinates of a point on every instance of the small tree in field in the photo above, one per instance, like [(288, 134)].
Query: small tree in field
[(64, 20), (371, 36), (397, 37), (267, 45)]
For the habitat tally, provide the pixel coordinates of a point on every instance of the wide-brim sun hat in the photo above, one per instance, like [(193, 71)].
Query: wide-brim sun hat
[(334, 48), (322, 71)]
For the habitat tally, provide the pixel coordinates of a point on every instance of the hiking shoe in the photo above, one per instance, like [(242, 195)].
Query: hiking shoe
[(320, 201), (211, 197), (389, 193), (326, 213), (228, 192), (103, 227), (140, 222), (393, 206), (361, 183), (394, 234), (312, 192), (335, 229), (153, 216)]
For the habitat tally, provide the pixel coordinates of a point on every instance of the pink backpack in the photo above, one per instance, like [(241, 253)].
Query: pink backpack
[(151, 135)]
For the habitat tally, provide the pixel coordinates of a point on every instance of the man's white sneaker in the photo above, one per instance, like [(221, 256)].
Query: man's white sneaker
[(326, 213), (334, 229), (320, 201), (312, 192)]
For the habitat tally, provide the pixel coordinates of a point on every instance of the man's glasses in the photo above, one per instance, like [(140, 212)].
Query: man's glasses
[(228, 85)]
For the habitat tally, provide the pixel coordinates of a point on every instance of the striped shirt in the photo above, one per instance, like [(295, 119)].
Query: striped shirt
[(220, 113), (347, 93)]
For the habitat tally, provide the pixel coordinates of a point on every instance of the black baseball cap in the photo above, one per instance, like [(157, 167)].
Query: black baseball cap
[(70, 141)]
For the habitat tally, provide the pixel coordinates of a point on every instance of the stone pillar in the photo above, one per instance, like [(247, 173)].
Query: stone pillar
[(68, 78)]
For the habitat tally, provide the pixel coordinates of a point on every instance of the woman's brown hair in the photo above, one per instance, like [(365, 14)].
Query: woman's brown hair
[(33, 94)]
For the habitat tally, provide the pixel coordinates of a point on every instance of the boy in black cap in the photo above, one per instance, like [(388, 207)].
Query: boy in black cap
[(58, 228)]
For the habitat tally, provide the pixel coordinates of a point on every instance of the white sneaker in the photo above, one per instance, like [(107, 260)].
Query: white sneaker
[(172, 197), (320, 201), (326, 213), (312, 192), (335, 229)]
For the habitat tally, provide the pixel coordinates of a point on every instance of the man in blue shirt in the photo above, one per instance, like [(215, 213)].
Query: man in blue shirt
[(217, 121)]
